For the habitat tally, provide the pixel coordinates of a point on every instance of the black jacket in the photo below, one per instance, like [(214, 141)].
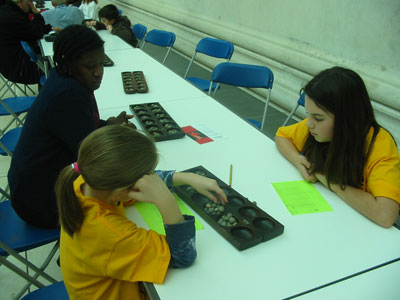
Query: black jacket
[(15, 27), (63, 114)]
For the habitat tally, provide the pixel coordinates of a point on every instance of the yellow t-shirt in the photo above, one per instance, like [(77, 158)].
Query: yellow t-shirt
[(109, 255), (382, 170)]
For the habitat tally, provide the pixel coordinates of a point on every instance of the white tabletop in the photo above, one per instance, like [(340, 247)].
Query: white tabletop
[(314, 249), (381, 283), (111, 42), (164, 85)]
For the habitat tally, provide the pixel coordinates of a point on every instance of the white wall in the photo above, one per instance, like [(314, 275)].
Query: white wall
[(295, 38)]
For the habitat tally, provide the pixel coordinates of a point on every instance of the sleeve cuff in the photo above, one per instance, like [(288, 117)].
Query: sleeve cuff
[(167, 177), (175, 233)]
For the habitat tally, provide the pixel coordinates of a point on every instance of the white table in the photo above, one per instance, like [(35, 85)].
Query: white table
[(164, 85), (314, 250), (381, 283), (111, 42)]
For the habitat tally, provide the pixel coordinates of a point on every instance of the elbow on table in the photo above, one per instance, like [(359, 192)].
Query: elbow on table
[(386, 218), (184, 261)]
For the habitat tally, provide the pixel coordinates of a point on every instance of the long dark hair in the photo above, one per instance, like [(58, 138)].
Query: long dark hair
[(110, 158), (342, 93), (71, 43)]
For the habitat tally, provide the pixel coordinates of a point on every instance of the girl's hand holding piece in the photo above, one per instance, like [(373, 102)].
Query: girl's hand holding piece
[(206, 186)]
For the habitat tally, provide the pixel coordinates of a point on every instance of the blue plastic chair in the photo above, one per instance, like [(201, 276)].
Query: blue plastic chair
[(39, 62), (9, 141), (14, 106), (17, 236), (300, 102), (160, 38), (243, 75), (140, 31), (120, 12), (55, 291), (211, 47)]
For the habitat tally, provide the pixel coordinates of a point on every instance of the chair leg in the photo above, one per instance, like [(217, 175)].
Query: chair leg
[(29, 264), (42, 268), (291, 114), (5, 194), (265, 110)]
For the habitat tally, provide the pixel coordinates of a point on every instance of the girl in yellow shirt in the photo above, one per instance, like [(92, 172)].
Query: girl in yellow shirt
[(341, 145), (103, 255)]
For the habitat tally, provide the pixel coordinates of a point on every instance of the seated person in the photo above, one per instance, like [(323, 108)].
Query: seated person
[(64, 113), (355, 157), (63, 15), (15, 64), (116, 24), (103, 254), (89, 9)]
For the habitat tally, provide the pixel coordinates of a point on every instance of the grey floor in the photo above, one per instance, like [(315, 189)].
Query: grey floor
[(238, 101)]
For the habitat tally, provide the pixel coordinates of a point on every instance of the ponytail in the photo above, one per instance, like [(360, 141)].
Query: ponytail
[(69, 208)]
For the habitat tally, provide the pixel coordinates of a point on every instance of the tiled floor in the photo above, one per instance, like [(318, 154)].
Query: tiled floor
[(235, 99)]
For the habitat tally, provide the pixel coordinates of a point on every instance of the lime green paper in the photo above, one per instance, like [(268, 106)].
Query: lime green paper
[(153, 219), (301, 197)]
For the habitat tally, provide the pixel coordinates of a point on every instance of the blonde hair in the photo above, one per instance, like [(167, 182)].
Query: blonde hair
[(110, 158)]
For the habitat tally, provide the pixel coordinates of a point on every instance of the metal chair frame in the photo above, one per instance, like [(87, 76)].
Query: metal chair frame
[(211, 47), (300, 102), (140, 32), (18, 236)]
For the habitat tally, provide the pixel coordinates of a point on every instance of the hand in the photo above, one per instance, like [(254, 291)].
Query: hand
[(121, 119), (91, 23), (206, 186), (303, 165), (109, 28), (150, 189), (58, 29)]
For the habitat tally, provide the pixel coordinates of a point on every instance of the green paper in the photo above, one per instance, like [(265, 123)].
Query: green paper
[(153, 219), (301, 197)]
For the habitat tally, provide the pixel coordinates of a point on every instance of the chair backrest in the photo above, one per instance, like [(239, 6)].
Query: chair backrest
[(243, 75), (28, 49), (33, 57), (212, 47), (161, 38), (215, 47), (139, 30)]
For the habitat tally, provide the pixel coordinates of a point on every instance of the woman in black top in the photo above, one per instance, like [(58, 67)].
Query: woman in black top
[(64, 113)]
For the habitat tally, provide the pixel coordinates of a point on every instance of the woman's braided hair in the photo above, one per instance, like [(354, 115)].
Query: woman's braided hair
[(71, 43)]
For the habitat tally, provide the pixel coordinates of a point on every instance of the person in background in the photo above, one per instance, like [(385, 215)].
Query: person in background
[(116, 24), (15, 26), (104, 255), (63, 15), (63, 114), (341, 145), (89, 9)]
